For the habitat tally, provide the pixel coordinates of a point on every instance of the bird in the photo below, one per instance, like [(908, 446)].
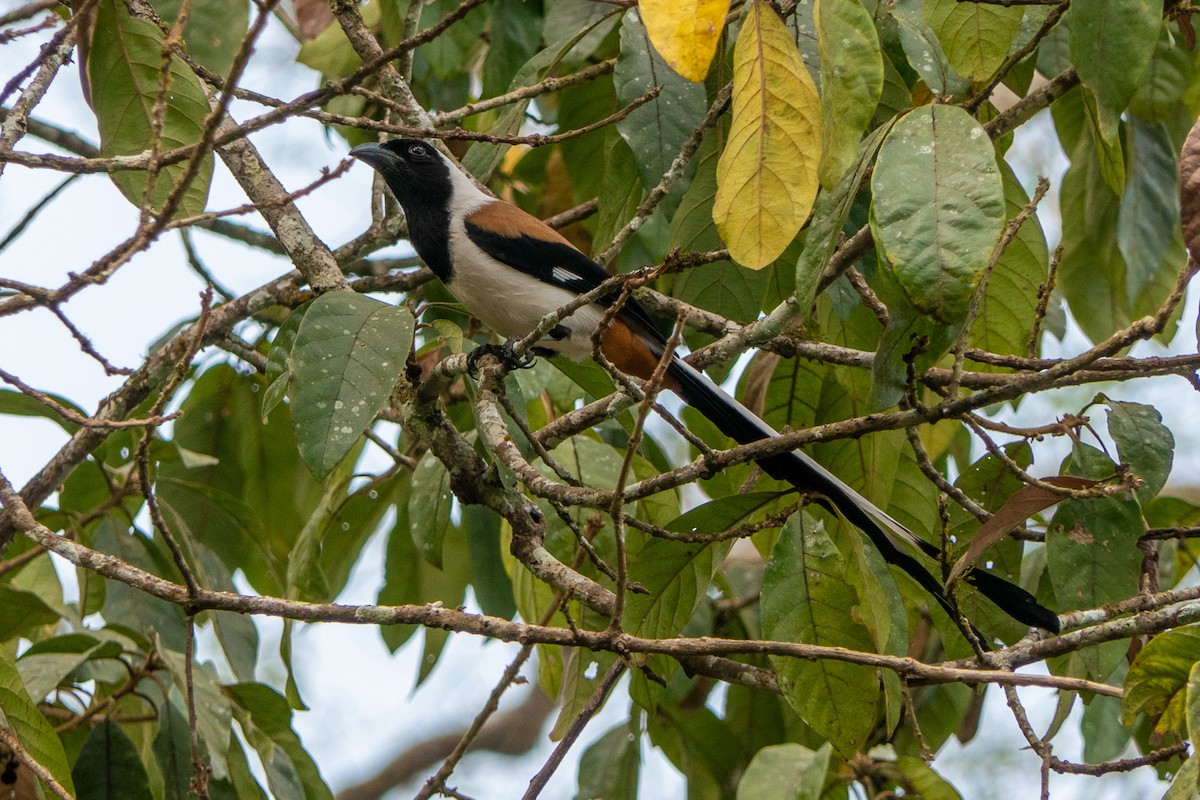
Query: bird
[(510, 270)]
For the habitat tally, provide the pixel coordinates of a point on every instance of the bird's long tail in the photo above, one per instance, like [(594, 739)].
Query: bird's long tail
[(891, 538)]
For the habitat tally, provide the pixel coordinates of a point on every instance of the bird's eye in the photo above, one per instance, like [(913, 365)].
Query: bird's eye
[(417, 151)]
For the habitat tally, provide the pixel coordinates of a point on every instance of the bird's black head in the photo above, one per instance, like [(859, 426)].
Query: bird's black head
[(422, 181), (416, 173)]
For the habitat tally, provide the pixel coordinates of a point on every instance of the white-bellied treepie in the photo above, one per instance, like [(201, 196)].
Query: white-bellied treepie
[(510, 270)]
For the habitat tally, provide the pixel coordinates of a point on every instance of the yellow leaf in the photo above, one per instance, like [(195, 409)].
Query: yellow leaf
[(685, 32), (767, 174)]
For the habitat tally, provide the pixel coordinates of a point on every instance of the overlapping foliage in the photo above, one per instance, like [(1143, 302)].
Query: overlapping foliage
[(827, 184)]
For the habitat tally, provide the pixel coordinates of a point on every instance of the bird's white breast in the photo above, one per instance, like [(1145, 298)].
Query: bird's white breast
[(511, 302)]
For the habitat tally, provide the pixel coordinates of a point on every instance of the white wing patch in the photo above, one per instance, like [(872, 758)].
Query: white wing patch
[(564, 275), (512, 303)]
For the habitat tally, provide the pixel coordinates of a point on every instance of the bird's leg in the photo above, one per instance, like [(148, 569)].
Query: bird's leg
[(504, 352)]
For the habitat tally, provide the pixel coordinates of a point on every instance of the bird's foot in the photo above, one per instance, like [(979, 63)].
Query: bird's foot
[(504, 352)]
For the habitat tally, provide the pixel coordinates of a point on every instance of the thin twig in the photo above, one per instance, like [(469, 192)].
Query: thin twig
[(198, 783), (74, 417), (539, 781)]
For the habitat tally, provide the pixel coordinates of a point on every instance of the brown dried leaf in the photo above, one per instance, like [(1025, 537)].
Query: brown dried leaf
[(312, 17), (1189, 189), (758, 380), (1023, 504), (83, 44)]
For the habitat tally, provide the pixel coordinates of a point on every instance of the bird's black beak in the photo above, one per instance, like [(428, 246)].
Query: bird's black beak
[(374, 155)]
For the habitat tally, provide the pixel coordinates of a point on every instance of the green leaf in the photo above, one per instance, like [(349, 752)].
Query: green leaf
[(213, 714), (22, 612), (829, 218), (895, 98), (189, 506), (609, 768), (1167, 79), (1053, 54), (785, 772), (236, 633), (109, 767), (1193, 705), (597, 464), (720, 515), (20, 714), (354, 520), (581, 26), (241, 782), (214, 29), (976, 37), (583, 672), (676, 575), (805, 596), (123, 75), (18, 404), (147, 615), (929, 785), (940, 712), (700, 745), (1148, 226), (173, 752), (1092, 552), (578, 107), (1104, 737), (621, 191), (491, 584), (429, 507), (331, 53), (259, 493), (656, 130), (1106, 133), (1009, 305), (1092, 271), (938, 207), (266, 719), (448, 587), (50, 662), (923, 49), (401, 574), (1143, 442), (349, 352), (762, 719), (911, 336), (305, 577), (1186, 783), (438, 80), (724, 288), (851, 82), (279, 360), (1157, 683), (881, 607), (448, 53), (990, 483), (1112, 42), (573, 29), (516, 31)]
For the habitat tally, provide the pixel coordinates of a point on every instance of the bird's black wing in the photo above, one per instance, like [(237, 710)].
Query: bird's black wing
[(561, 265)]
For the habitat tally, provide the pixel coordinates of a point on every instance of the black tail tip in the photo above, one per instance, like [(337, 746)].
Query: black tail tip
[(1014, 601), (1036, 615)]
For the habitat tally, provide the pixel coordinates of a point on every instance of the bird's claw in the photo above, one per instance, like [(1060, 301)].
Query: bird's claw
[(504, 352)]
